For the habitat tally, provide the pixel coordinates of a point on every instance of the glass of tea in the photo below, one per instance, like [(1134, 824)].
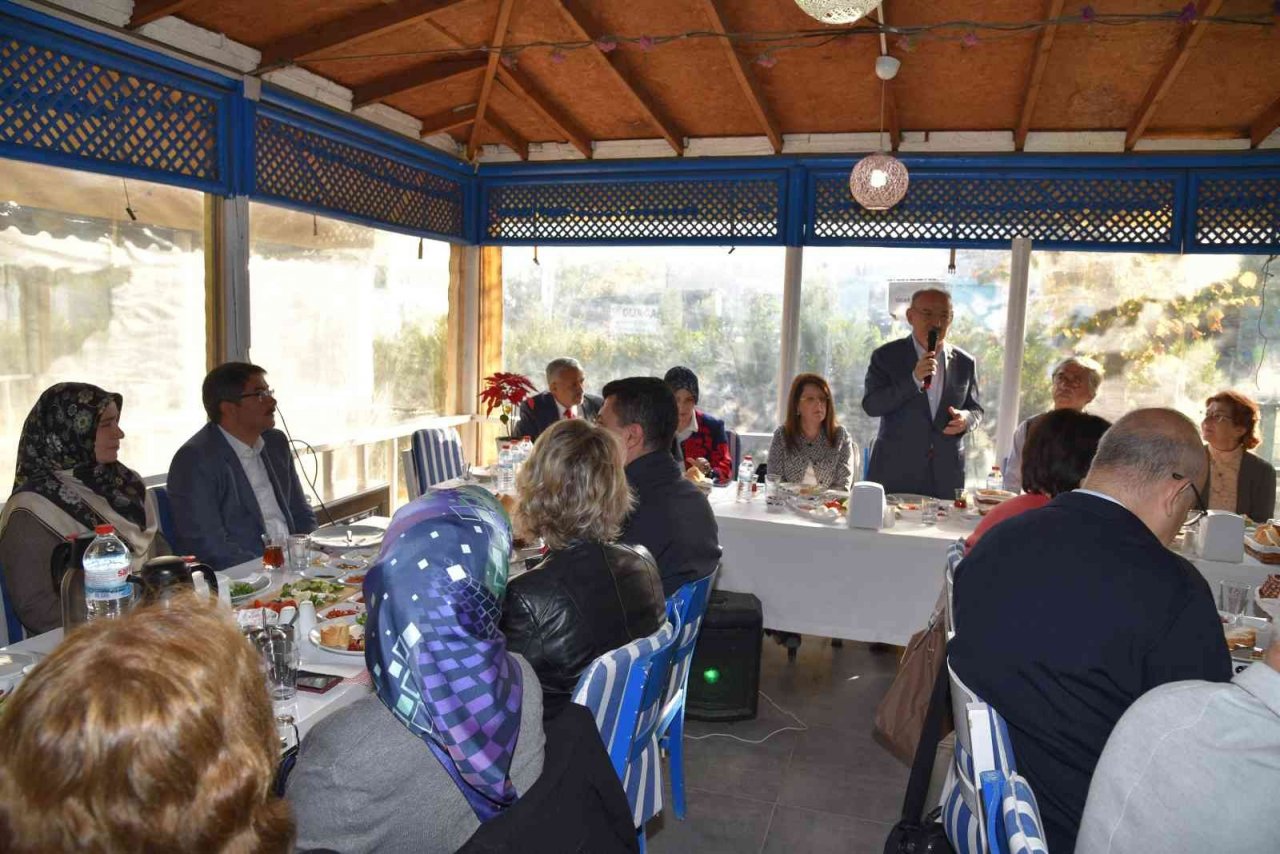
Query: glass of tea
[(272, 552)]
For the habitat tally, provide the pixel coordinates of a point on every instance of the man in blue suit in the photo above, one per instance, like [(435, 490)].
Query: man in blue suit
[(234, 480), (564, 398), (926, 398)]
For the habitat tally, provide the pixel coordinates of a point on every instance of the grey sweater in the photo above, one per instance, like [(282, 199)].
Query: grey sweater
[(363, 782)]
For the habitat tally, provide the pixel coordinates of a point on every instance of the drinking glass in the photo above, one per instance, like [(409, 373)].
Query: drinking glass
[(272, 552), (1234, 597), (929, 511), (280, 658), (962, 501), (773, 498), (299, 550)]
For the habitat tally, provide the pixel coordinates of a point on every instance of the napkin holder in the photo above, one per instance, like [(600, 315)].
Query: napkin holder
[(1220, 537), (866, 505)]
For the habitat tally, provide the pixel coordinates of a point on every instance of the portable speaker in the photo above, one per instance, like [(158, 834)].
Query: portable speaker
[(724, 678)]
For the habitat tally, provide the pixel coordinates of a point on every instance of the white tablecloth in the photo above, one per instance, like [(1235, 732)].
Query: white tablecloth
[(833, 581)]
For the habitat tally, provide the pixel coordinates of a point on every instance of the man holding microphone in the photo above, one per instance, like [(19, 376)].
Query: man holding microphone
[(925, 393)]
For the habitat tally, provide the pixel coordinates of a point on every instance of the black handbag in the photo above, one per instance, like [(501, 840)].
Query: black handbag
[(912, 834)]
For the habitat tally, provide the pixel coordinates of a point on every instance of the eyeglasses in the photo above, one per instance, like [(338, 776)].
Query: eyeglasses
[(1069, 380), (1217, 417), (929, 314), (1201, 509), (261, 394)]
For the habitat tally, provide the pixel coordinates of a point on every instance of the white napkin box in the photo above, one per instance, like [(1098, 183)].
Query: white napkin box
[(1220, 537), (866, 505)]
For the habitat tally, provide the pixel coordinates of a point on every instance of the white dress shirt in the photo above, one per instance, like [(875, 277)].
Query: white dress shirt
[(935, 388), (256, 471), (681, 435)]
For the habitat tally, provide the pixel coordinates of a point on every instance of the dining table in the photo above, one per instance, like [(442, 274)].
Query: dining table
[(878, 586)]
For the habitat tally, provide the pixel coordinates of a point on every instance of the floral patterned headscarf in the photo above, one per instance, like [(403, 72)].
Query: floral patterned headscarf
[(58, 436), (432, 643)]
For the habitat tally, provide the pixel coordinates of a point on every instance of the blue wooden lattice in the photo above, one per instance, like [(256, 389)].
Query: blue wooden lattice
[(1237, 212)]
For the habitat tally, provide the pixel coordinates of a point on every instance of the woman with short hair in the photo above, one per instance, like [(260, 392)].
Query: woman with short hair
[(1075, 384), (700, 438), (810, 438), (589, 594), (1239, 480), (151, 732), (68, 481), (1059, 451)]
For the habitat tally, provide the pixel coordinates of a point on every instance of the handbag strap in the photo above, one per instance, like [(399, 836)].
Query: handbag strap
[(927, 749)]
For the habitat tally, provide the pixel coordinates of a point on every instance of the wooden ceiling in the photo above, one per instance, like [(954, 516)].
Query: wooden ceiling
[(1150, 79)]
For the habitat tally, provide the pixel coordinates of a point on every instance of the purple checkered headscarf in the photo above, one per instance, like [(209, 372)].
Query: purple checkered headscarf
[(438, 660)]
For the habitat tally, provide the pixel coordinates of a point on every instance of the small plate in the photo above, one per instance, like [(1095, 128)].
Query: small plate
[(350, 621), (354, 578), (258, 580), (348, 563), (347, 536), (333, 612)]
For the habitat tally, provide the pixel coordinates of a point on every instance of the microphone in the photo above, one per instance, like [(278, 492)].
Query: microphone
[(933, 347)]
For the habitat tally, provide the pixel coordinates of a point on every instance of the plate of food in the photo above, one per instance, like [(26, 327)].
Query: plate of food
[(343, 636), (347, 536), (353, 579), (318, 591), (829, 508), (342, 609), (695, 476), (904, 501), (244, 589)]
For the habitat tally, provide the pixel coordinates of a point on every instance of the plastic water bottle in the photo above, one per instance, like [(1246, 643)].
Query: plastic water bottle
[(746, 478), (995, 480), (106, 566), (526, 449), (506, 470)]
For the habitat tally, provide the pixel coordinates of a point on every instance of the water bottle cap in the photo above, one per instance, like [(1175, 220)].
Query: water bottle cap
[(104, 529), (526, 438), (746, 456)]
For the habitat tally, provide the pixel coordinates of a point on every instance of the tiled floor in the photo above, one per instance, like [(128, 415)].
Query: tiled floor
[(828, 789)]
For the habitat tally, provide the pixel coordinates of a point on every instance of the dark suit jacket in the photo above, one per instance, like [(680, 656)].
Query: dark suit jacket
[(672, 519), (1256, 488), (1066, 615), (911, 453), (539, 412), (215, 513)]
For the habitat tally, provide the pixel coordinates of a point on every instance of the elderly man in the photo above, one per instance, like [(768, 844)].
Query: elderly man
[(925, 393), (1192, 767), (1075, 385), (562, 399), (234, 480), (671, 518), (1066, 615)]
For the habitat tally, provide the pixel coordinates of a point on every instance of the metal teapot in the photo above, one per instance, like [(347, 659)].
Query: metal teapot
[(161, 577)]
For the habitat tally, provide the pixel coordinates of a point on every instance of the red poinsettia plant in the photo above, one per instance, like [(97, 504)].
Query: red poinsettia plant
[(506, 391)]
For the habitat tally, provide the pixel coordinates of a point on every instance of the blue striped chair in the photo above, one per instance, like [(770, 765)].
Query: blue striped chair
[(955, 554), (437, 456), (164, 510), (986, 805), (690, 603), (623, 690), (735, 451), (11, 630)]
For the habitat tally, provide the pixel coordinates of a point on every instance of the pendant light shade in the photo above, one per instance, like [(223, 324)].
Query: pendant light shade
[(837, 11), (878, 181)]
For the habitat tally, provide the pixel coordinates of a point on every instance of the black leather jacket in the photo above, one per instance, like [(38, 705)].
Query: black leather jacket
[(576, 605)]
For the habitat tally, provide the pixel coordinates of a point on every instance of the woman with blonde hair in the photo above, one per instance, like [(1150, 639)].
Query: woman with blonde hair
[(590, 594), (152, 732)]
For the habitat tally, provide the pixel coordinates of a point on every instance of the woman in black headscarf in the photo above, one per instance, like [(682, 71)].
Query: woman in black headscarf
[(68, 481)]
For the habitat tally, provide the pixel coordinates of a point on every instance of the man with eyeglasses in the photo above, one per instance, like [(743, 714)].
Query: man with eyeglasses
[(925, 393), (234, 480), (1065, 615), (1075, 385)]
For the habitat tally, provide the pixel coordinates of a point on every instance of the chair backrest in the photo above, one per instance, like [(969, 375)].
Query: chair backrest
[(735, 450), (11, 630), (164, 510), (955, 554), (866, 457), (437, 456), (690, 603), (623, 689), (410, 469)]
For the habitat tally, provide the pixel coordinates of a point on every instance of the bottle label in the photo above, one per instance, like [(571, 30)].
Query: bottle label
[(106, 582)]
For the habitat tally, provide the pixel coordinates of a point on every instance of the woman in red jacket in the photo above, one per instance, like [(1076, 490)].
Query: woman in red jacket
[(701, 437)]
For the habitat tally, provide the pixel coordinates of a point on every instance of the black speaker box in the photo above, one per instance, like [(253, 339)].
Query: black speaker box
[(724, 680)]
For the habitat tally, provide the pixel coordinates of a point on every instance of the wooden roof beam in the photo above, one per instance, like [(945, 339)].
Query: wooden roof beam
[(427, 74), (1044, 44), (578, 20), (522, 87), (146, 11), (1173, 64), (1265, 124), (517, 144), (335, 34), (746, 80), (447, 120), (491, 71)]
